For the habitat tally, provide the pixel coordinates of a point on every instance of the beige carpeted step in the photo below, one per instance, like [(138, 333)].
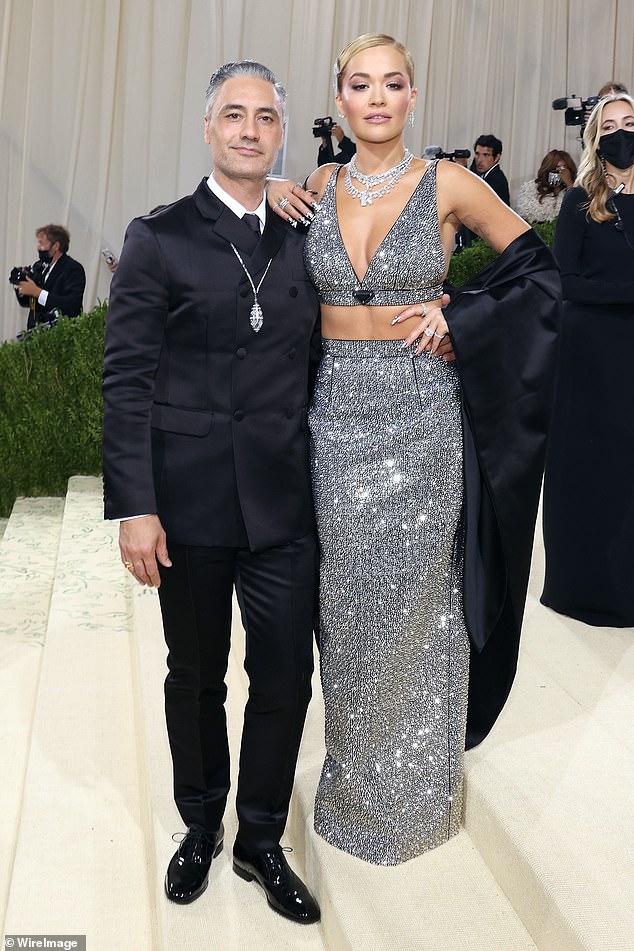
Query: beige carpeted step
[(549, 793), (444, 901), (545, 861), (231, 914), (81, 858), (28, 557)]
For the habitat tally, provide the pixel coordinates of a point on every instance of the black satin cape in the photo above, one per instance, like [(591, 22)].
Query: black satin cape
[(504, 327)]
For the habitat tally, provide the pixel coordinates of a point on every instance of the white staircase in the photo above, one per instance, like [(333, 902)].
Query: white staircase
[(546, 859)]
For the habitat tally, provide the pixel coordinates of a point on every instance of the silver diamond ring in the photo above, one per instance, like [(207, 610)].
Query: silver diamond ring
[(440, 336), (283, 202), (428, 332)]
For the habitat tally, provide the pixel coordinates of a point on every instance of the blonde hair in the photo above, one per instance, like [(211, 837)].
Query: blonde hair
[(592, 175), (367, 42)]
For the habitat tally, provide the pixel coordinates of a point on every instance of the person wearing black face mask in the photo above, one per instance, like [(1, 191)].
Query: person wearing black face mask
[(60, 282), (588, 500)]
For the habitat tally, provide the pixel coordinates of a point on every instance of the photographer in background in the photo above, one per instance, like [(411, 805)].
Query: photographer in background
[(55, 284), (540, 199), (487, 151), (612, 86), (326, 128)]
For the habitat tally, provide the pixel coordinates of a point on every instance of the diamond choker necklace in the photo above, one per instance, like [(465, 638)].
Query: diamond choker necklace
[(390, 178)]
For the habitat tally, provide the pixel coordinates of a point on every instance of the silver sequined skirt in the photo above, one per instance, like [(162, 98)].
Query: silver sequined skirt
[(387, 473)]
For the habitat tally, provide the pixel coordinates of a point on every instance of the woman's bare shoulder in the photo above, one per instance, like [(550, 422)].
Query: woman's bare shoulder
[(318, 179), (452, 173)]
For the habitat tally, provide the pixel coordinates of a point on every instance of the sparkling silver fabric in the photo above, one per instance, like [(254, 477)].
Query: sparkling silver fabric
[(386, 455), (409, 265)]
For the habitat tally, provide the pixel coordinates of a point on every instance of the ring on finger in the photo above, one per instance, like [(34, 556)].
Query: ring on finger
[(283, 202), (440, 336), (428, 332), (129, 565), (423, 311)]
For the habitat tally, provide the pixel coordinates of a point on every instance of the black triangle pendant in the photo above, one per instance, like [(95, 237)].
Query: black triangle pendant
[(364, 297)]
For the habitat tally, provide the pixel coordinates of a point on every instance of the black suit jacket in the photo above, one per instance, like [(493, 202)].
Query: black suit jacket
[(65, 285), (205, 420), (497, 180), (326, 153)]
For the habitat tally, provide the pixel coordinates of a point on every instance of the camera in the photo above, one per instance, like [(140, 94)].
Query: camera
[(108, 257), (322, 126), (34, 271), (20, 274), (436, 152), (452, 156), (577, 109)]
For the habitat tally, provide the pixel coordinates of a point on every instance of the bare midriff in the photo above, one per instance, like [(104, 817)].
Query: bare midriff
[(367, 323)]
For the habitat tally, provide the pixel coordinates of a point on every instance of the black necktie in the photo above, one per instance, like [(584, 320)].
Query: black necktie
[(252, 222)]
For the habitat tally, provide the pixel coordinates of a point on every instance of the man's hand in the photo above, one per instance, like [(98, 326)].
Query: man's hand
[(142, 541), (29, 288), (338, 132)]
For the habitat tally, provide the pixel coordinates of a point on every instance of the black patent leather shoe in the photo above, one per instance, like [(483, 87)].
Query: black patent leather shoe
[(284, 890), (188, 872)]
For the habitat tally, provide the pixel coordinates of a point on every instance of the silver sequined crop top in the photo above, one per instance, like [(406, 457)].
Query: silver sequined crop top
[(407, 268)]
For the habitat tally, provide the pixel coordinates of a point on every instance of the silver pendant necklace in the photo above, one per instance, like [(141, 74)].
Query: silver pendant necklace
[(390, 178), (257, 317)]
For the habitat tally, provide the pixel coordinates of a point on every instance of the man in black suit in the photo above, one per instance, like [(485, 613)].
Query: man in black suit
[(487, 151), (60, 289), (212, 338)]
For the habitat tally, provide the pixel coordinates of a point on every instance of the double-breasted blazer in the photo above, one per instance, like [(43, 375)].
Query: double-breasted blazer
[(204, 419)]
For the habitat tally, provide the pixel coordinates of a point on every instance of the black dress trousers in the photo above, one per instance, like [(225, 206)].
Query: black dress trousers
[(276, 593)]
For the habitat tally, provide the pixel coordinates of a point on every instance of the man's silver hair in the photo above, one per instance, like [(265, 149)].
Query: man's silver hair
[(247, 67)]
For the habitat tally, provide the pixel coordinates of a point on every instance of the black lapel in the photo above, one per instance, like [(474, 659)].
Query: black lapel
[(231, 228), (60, 264), (228, 226)]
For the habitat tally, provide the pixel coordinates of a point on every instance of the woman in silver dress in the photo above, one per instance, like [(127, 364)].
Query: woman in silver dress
[(387, 465)]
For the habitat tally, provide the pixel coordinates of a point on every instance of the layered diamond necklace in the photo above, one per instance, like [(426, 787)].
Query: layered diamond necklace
[(387, 180)]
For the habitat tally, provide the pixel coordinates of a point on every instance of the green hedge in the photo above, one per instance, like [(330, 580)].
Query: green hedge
[(467, 264), (50, 407), (50, 396)]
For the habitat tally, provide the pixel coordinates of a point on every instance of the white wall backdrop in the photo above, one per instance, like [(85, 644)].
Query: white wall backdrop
[(101, 101)]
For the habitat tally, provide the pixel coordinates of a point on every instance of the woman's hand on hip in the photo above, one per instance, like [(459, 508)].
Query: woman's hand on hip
[(431, 330)]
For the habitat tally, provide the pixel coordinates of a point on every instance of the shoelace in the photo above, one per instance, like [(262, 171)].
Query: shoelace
[(194, 844), (277, 865)]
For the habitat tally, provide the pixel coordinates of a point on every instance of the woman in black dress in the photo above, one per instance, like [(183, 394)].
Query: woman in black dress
[(589, 481)]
